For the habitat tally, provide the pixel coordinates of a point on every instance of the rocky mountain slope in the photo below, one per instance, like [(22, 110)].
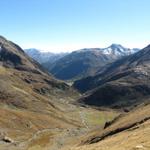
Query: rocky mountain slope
[(85, 62), (123, 83), (30, 100)]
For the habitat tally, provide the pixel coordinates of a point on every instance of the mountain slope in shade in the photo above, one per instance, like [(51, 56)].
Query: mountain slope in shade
[(85, 62), (44, 57), (123, 83)]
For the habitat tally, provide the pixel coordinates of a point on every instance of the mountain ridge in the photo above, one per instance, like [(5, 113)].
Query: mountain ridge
[(43, 57), (126, 80), (86, 61)]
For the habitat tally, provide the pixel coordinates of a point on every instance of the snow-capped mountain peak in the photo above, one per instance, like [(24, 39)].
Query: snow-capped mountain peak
[(118, 50)]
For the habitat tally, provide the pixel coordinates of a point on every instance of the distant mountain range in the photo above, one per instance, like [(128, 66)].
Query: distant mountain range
[(82, 63), (43, 57)]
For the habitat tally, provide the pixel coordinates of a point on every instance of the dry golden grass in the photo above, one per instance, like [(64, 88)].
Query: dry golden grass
[(136, 139), (36, 121), (131, 138), (25, 113)]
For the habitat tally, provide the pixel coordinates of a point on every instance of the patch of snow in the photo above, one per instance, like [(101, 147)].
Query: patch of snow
[(119, 50), (107, 51), (141, 71), (0, 47)]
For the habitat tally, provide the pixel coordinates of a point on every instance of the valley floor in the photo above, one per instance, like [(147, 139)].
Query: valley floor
[(23, 128), (130, 132)]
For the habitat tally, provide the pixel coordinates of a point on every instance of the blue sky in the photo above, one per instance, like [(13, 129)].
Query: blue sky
[(66, 25)]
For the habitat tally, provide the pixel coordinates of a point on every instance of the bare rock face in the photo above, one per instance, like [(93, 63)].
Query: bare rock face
[(7, 140)]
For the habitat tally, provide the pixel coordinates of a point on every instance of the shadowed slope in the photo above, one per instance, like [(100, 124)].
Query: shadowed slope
[(123, 83), (86, 62)]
